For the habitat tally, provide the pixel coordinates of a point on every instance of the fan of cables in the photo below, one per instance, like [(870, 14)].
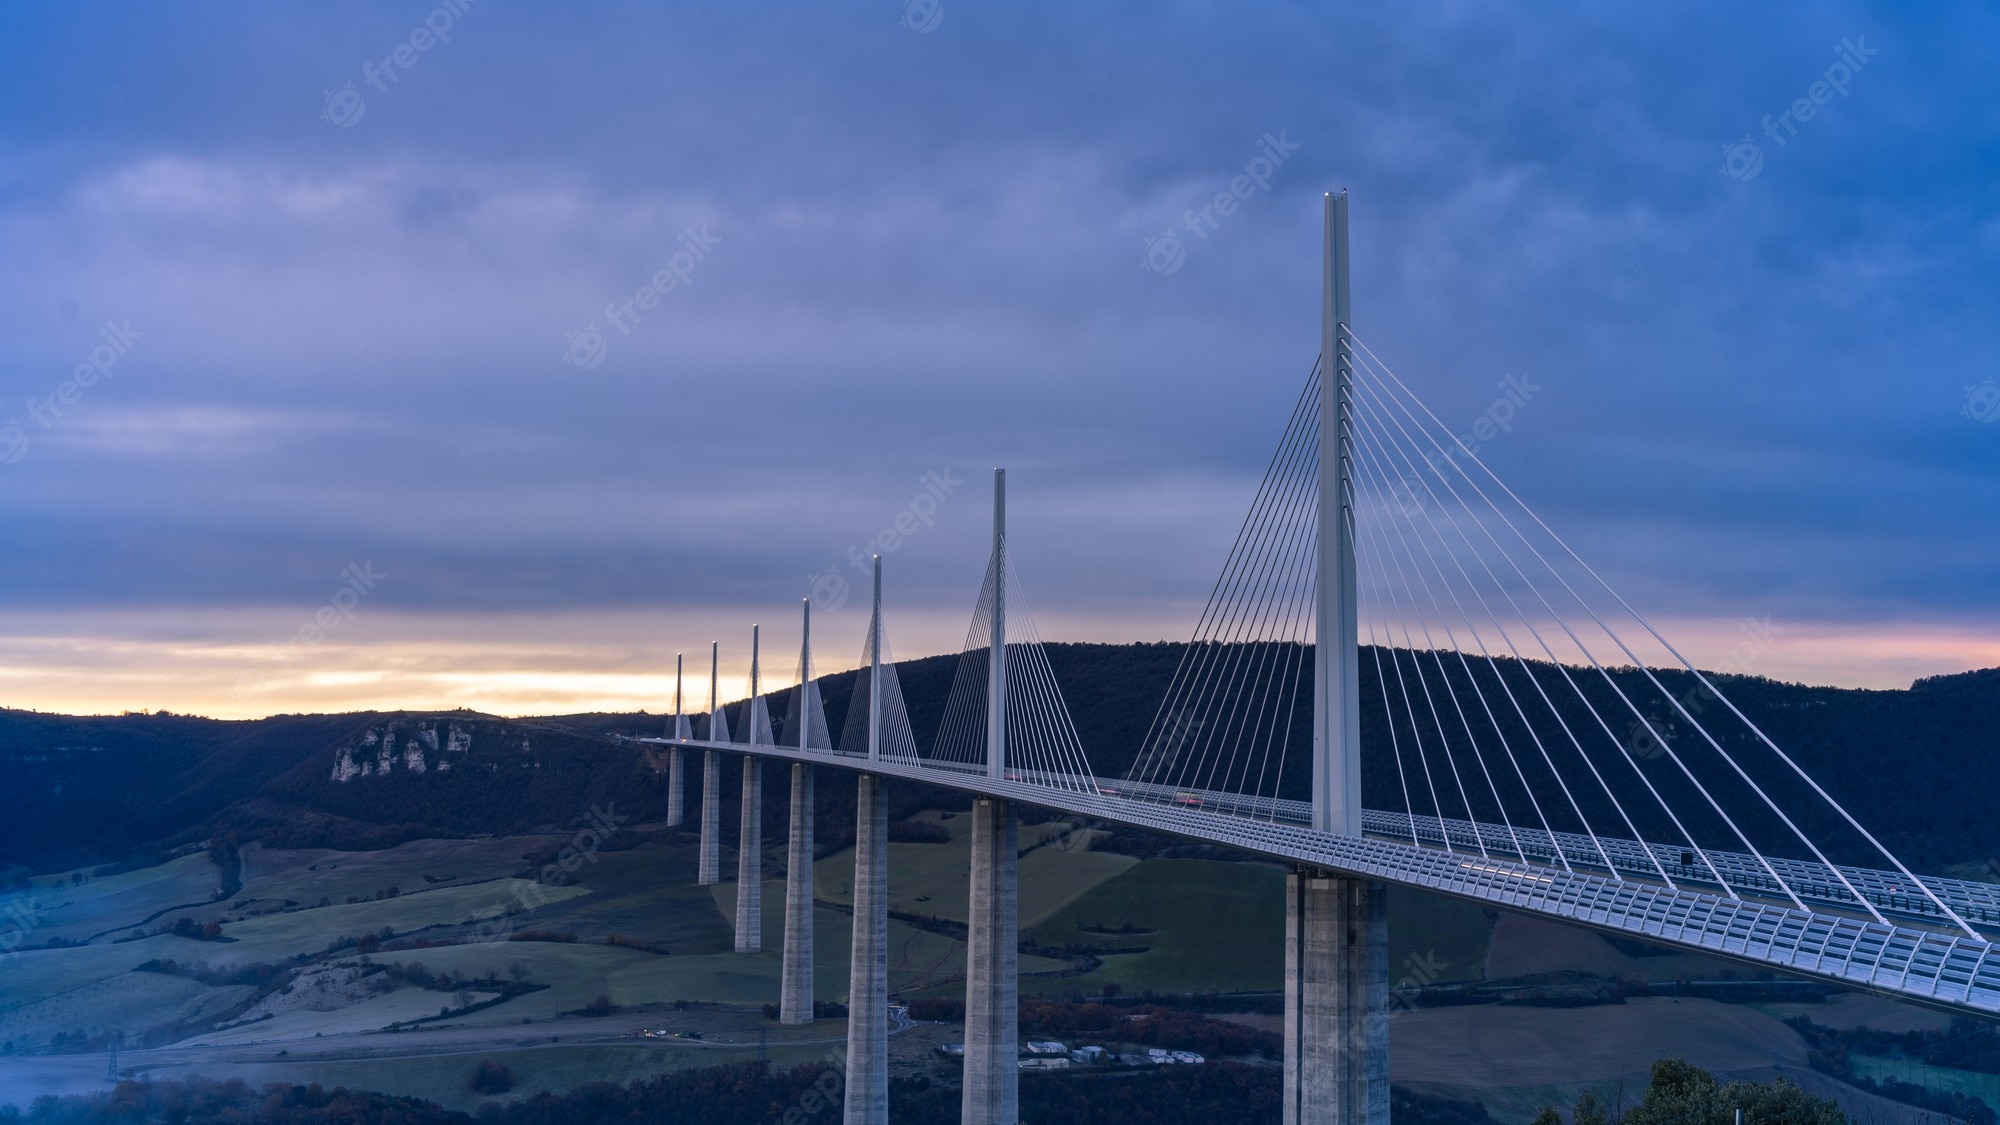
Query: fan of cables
[(1513, 704)]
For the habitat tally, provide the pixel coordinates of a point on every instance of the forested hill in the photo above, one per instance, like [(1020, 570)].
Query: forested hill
[(1916, 766)]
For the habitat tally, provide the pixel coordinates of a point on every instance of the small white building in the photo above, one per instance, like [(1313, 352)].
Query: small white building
[(1045, 1064), (1090, 1056), (1158, 1057), (1188, 1057), (1047, 1047)]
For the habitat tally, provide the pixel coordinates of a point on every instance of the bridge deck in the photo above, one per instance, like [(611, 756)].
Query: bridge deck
[(1890, 892), (1952, 972)]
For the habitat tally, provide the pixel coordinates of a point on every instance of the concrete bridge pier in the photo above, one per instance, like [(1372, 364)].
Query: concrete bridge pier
[(992, 954), (1336, 1000), (868, 970), (795, 1000), (676, 788), (709, 866), (750, 860)]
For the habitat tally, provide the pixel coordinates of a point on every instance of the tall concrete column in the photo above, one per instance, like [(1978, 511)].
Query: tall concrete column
[(868, 969), (1336, 777), (750, 860), (992, 954), (1336, 1000), (795, 1000), (709, 865), (676, 788), (676, 759)]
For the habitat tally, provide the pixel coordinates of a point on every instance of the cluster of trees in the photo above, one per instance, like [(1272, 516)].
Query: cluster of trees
[(202, 1101), (1681, 1093), (257, 974), (917, 832), (755, 1094), (492, 1078), (1147, 1025), (1965, 1045), (639, 944)]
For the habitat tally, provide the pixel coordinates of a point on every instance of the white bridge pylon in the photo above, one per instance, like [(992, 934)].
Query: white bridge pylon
[(1392, 623)]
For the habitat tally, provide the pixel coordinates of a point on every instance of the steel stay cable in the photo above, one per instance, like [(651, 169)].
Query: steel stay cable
[(1430, 701), (1381, 499), (1249, 586), (1286, 561), (1196, 650), (1672, 756), (1585, 699), (1561, 668), (1500, 676), (1786, 758)]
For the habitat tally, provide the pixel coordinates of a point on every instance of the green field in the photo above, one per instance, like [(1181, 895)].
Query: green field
[(1208, 926), (1218, 926), (1983, 1086), (931, 879)]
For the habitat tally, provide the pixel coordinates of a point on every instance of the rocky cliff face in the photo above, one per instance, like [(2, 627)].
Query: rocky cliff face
[(419, 746)]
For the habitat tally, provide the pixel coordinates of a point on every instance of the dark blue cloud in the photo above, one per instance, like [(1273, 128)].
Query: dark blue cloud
[(930, 254)]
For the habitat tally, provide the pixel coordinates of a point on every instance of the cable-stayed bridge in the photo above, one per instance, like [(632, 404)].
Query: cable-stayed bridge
[(1525, 737)]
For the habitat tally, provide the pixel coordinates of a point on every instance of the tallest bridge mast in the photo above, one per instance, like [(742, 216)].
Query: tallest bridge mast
[(1336, 925), (1336, 796)]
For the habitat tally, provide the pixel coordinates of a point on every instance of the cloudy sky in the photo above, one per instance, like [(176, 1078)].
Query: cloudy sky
[(357, 289)]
